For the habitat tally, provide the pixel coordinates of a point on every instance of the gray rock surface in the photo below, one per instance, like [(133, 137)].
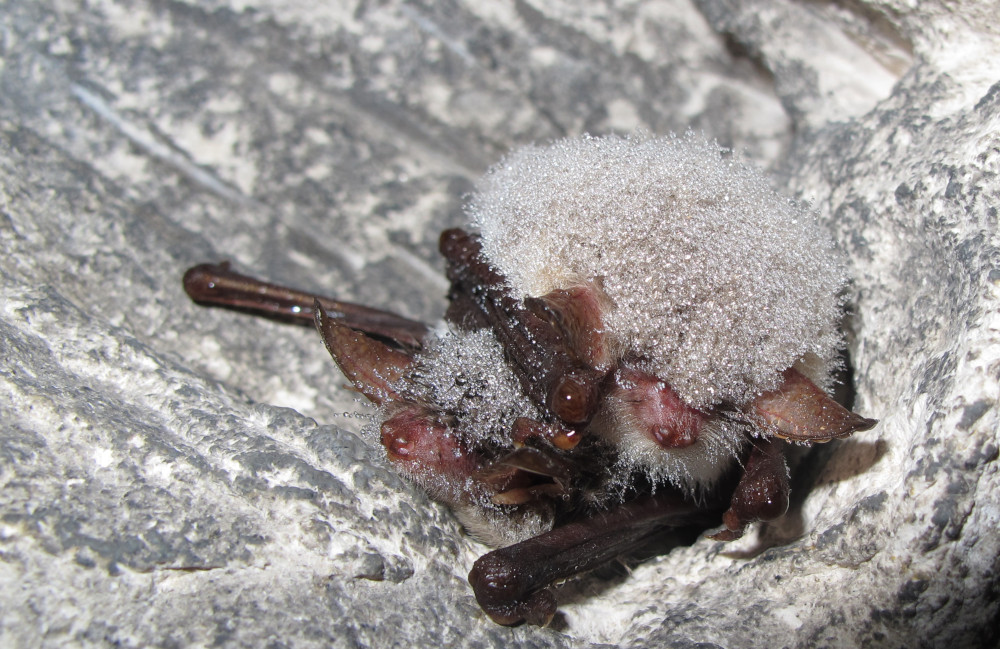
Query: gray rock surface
[(164, 478)]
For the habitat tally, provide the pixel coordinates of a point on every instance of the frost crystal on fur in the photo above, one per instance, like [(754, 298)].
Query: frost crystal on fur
[(718, 282), (465, 375)]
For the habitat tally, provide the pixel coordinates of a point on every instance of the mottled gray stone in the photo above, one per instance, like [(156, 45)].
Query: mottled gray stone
[(164, 480)]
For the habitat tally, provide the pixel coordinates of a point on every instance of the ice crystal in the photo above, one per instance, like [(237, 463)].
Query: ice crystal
[(465, 375), (718, 282)]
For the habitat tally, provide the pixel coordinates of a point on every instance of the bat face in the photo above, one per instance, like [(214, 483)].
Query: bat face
[(633, 331)]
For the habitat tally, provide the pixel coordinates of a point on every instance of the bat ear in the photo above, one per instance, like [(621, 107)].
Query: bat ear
[(800, 412), (372, 366)]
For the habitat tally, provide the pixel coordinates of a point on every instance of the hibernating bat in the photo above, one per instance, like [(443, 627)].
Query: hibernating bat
[(635, 327)]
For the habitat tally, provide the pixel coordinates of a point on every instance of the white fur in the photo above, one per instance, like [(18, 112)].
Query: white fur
[(719, 282)]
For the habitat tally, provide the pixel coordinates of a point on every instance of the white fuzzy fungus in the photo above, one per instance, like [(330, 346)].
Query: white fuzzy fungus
[(692, 469), (718, 282)]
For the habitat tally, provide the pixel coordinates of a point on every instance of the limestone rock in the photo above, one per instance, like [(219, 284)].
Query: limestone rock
[(164, 478)]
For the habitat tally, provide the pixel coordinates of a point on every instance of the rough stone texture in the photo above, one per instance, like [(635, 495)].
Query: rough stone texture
[(159, 484)]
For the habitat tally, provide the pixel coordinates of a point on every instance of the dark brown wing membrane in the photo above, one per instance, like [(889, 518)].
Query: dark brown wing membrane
[(216, 284), (536, 346), (511, 584)]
